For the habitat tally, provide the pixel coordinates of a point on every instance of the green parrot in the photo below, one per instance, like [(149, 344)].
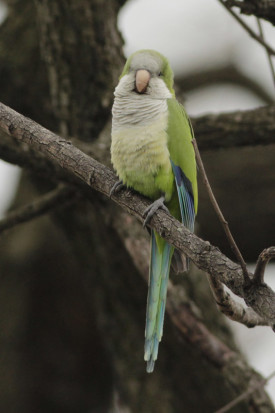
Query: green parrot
[(152, 152)]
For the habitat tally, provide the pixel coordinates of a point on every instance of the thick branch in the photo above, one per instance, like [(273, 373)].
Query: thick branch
[(182, 311), (251, 32), (207, 257), (40, 206), (229, 74), (261, 8), (240, 128), (185, 316), (23, 155), (246, 394)]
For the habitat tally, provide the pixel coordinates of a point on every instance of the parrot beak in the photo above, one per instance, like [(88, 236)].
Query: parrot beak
[(142, 80)]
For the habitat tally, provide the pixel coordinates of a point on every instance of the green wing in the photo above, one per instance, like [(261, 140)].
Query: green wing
[(181, 150)]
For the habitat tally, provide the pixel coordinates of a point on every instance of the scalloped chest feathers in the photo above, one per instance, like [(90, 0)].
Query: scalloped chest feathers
[(139, 141)]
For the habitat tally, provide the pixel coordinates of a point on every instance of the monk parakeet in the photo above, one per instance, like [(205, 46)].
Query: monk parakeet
[(151, 152)]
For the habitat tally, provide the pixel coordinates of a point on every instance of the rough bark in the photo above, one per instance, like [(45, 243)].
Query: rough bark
[(24, 71), (228, 74), (206, 257), (74, 283), (264, 9), (247, 171), (80, 43), (214, 131), (247, 128)]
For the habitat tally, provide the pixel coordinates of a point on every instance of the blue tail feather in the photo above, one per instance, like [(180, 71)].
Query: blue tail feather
[(158, 282), (161, 254)]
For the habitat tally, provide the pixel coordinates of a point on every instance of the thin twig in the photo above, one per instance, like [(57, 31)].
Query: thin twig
[(220, 214), (41, 206), (267, 51), (263, 260), (247, 393), (248, 29)]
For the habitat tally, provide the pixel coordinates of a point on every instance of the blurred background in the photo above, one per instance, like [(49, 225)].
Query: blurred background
[(201, 39)]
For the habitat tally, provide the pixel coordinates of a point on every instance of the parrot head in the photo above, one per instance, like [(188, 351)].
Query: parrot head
[(146, 72)]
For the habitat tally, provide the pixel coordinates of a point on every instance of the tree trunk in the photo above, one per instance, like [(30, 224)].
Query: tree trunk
[(73, 300)]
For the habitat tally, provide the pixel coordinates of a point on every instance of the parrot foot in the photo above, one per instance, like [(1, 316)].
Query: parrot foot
[(116, 188), (151, 209)]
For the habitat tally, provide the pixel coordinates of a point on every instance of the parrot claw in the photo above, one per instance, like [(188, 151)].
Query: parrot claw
[(116, 188), (151, 209)]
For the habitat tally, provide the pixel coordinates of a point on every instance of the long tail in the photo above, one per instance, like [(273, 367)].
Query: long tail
[(161, 254)]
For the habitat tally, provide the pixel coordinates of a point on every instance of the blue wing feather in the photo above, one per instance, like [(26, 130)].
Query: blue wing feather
[(186, 200), (185, 196)]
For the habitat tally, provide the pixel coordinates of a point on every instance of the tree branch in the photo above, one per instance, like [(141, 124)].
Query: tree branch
[(246, 394), (225, 302), (187, 318), (224, 74), (183, 312), (254, 35), (21, 154), (215, 131), (219, 213), (261, 8), (206, 257), (236, 129), (269, 57), (231, 308), (41, 206), (263, 260)]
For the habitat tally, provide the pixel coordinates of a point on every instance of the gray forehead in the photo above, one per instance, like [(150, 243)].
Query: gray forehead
[(146, 61)]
